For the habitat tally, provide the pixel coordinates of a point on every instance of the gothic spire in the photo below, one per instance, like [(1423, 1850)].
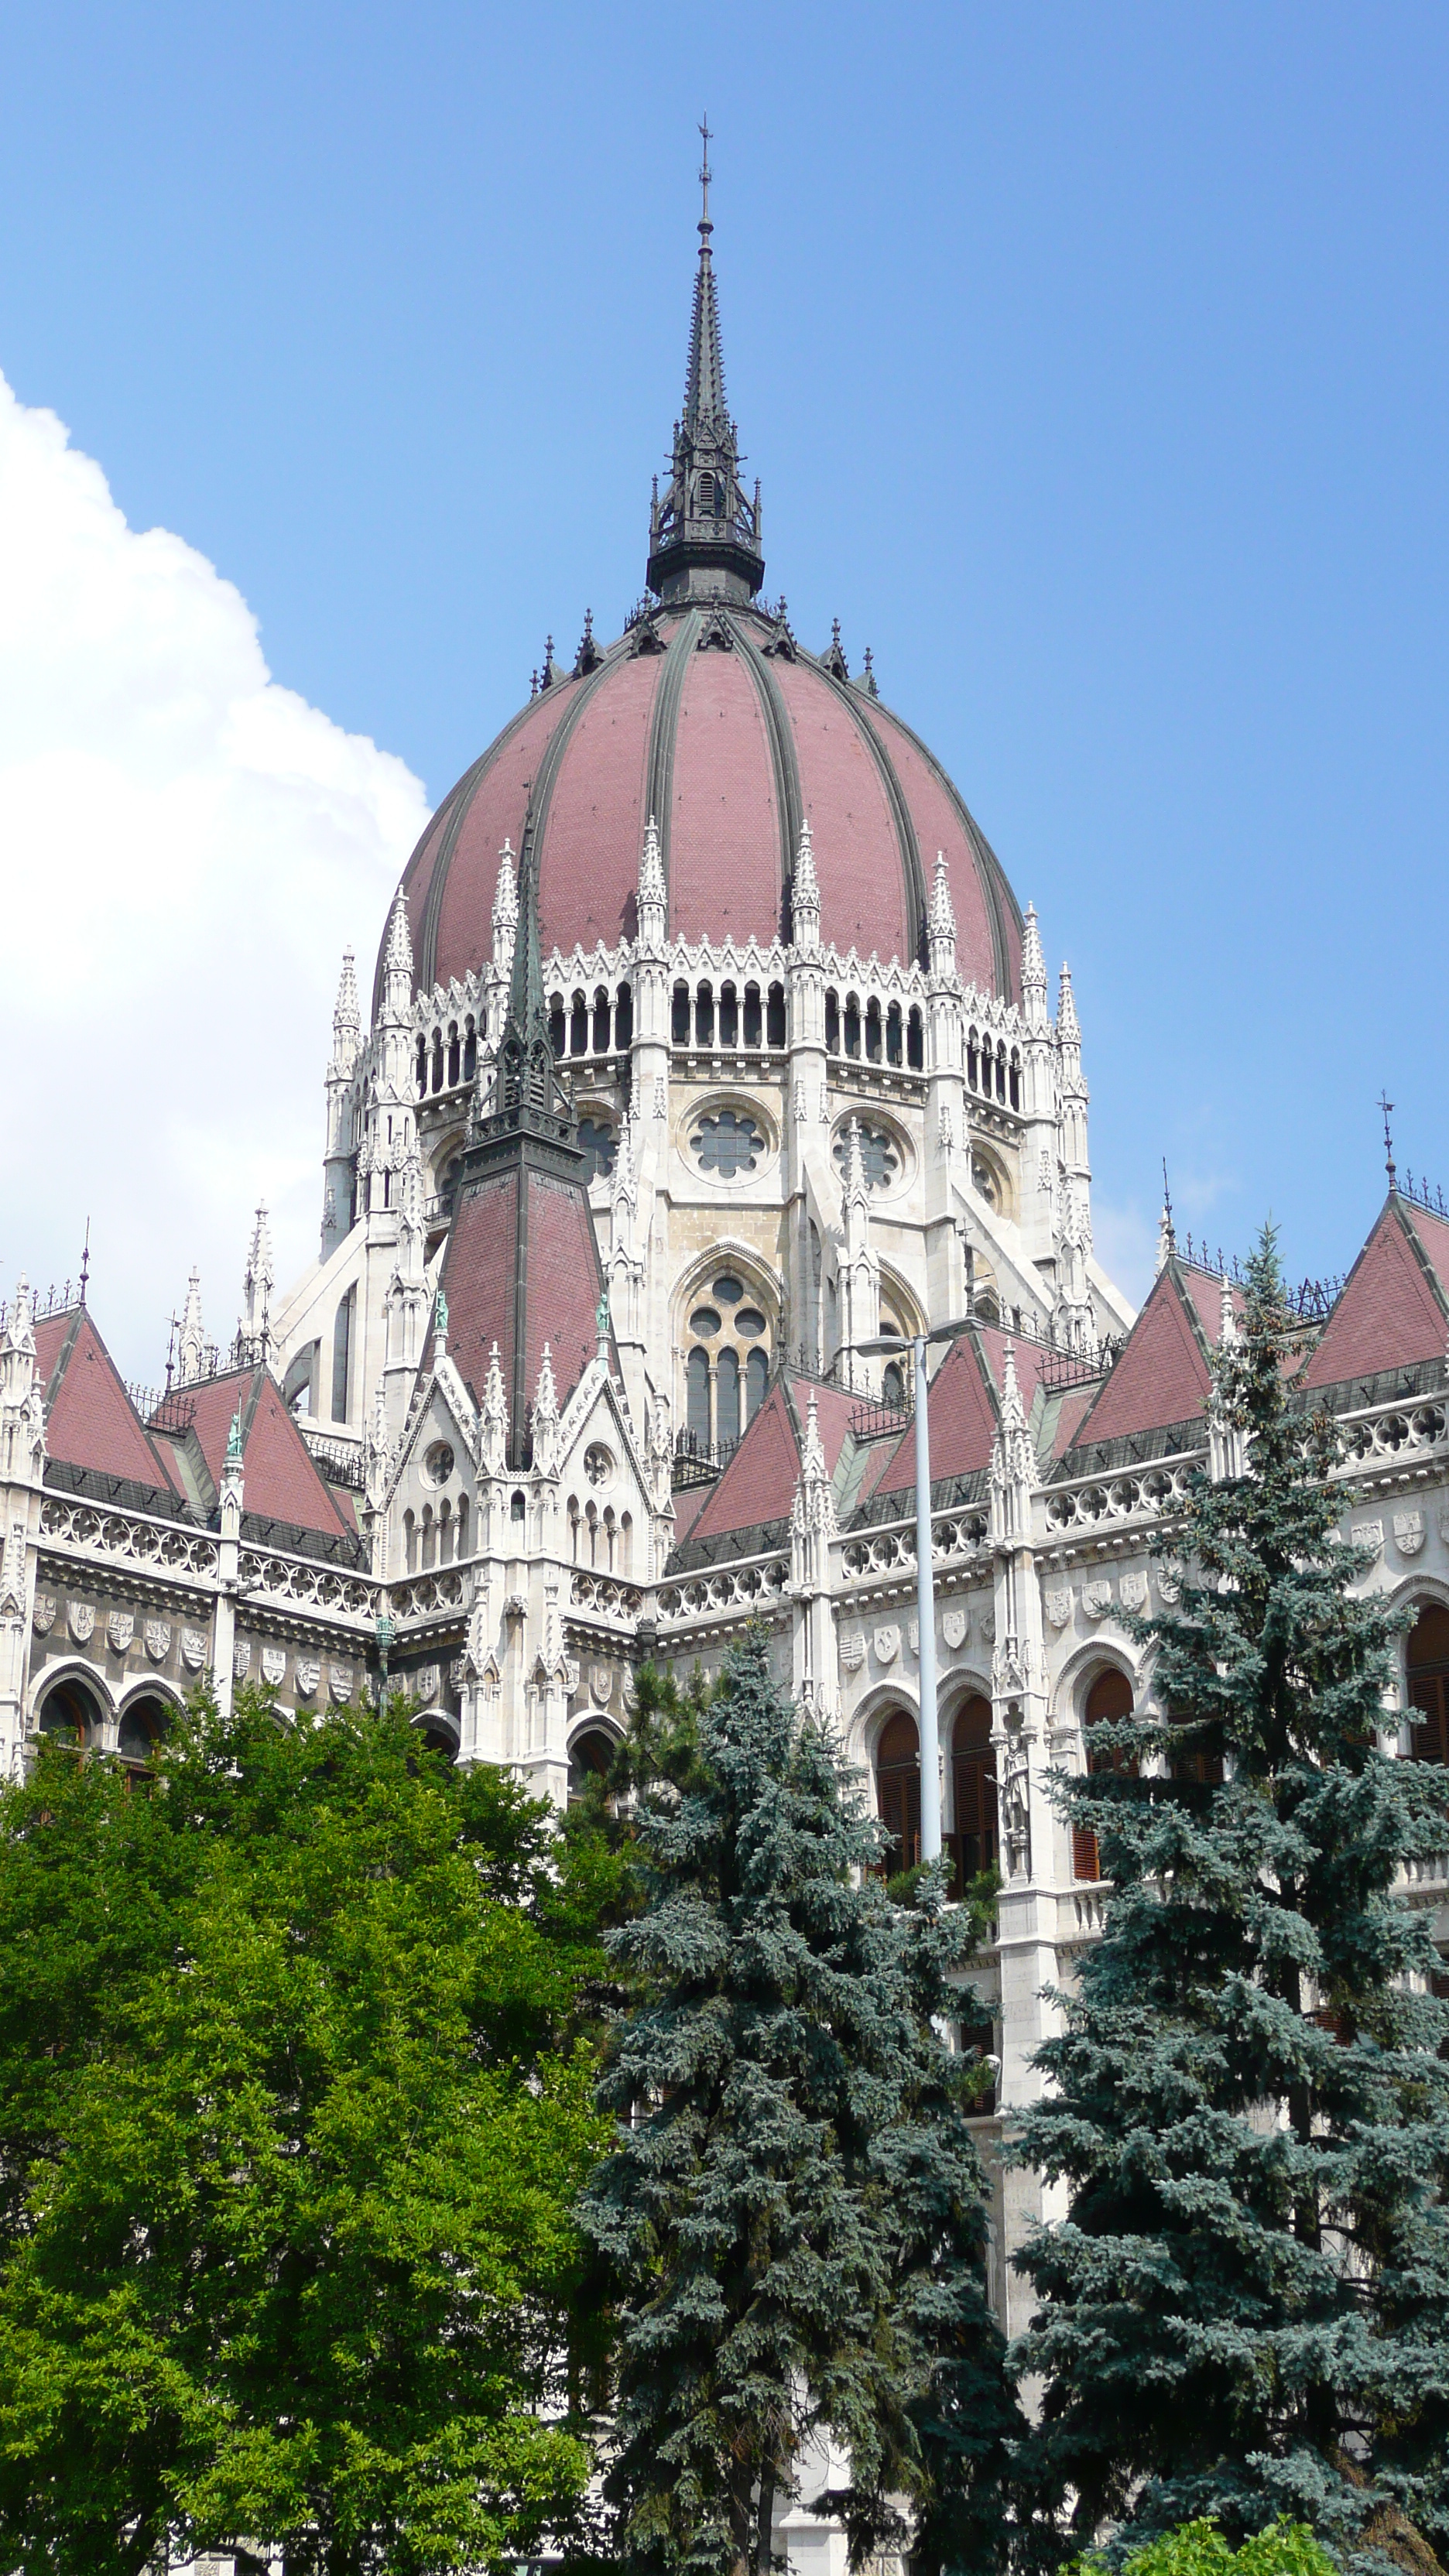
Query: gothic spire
[(527, 1079), (704, 536)]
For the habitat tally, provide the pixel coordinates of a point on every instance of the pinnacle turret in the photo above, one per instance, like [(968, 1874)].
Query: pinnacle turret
[(347, 1017), (1033, 973), (397, 962), (191, 1340), (1067, 1028), (805, 894)]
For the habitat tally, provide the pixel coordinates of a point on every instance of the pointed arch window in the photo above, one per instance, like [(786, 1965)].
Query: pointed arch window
[(1109, 1701), (1427, 1661), (898, 1789), (974, 1843)]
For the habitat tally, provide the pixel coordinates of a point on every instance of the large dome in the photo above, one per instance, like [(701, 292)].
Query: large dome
[(712, 719), (707, 715)]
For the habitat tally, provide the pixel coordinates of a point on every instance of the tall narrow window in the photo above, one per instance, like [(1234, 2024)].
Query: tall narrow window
[(727, 1396), (757, 1379), (852, 1025), (1427, 1659), (832, 1021), (915, 1041), (679, 1025), (579, 1026), (697, 1392), (752, 1015), (729, 1016), (872, 1030), (342, 1354), (624, 1017), (1108, 1701), (704, 1016), (893, 1034), (455, 1054), (556, 1025), (775, 1016), (898, 1789), (601, 1021), (973, 1784)]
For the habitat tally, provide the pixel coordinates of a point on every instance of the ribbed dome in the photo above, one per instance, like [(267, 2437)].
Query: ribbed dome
[(711, 718)]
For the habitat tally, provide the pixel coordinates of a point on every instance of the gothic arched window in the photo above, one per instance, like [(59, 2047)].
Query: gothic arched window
[(1427, 1660), (898, 1789), (915, 1041), (974, 1844), (1108, 1701)]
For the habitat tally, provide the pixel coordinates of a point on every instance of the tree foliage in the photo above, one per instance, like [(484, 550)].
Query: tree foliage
[(293, 2112), (1246, 2311), (792, 2216)]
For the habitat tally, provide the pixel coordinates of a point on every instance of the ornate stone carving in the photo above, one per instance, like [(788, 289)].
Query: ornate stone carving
[(274, 1666), (887, 1644), (955, 1628), (1132, 1591), (241, 1659), (193, 1648), (158, 1639), (601, 1682), (306, 1674), (852, 1650), (120, 1629), (1170, 1574), (1059, 1605), (42, 1617), (1408, 1532), (80, 1618), (425, 1682), (1369, 1534), (341, 1679), (1097, 1596)]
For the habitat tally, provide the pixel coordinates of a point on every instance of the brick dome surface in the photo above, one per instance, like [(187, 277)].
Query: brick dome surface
[(711, 718)]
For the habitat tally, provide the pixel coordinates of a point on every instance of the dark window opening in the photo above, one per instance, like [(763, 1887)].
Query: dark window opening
[(898, 1790), (1427, 1659), (704, 1016), (975, 1843), (601, 1022), (680, 1023), (852, 1025), (915, 1042), (579, 1026), (893, 1034), (775, 1016), (624, 1017), (752, 1015), (1109, 1701), (832, 1022), (872, 1031), (697, 1398), (556, 1025), (729, 1016)]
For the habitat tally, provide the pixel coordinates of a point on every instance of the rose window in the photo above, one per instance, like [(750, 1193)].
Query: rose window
[(727, 1144), (880, 1155)]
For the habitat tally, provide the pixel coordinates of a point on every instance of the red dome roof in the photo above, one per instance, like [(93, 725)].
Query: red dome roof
[(712, 719)]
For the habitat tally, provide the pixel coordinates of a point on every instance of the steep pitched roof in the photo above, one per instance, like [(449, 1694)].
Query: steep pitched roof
[(90, 1421), (962, 1409), (522, 1268), (1161, 1375), (282, 1480), (758, 1485), (1393, 1309)]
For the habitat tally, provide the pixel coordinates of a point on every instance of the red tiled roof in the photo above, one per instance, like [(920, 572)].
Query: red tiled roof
[(960, 1420), (564, 1281), (864, 901), (90, 1419), (937, 816), (592, 752), (759, 1483), (281, 1480), (725, 852), (1391, 1312), (1161, 1376), (589, 874)]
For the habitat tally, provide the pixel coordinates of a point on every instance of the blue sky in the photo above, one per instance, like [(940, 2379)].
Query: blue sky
[(1093, 361)]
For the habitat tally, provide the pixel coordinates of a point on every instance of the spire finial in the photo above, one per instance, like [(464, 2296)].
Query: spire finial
[(1166, 1236), (1387, 1106), (704, 535)]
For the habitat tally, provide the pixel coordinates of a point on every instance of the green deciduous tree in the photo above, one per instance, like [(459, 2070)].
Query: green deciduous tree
[(1246, 2311), (293, 2113), (792, 2216)]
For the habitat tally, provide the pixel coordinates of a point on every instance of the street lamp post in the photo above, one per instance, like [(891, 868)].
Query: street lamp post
[(925, 1583)]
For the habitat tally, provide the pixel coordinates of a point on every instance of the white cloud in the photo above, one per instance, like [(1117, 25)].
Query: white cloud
[(184, 849)]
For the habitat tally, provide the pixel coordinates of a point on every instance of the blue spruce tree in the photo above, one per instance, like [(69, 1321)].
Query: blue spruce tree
[(792, 2221), (1246, 2310)]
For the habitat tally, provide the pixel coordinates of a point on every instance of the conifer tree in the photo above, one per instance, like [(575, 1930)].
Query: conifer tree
[(1246, 2311), (793, 2214)]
